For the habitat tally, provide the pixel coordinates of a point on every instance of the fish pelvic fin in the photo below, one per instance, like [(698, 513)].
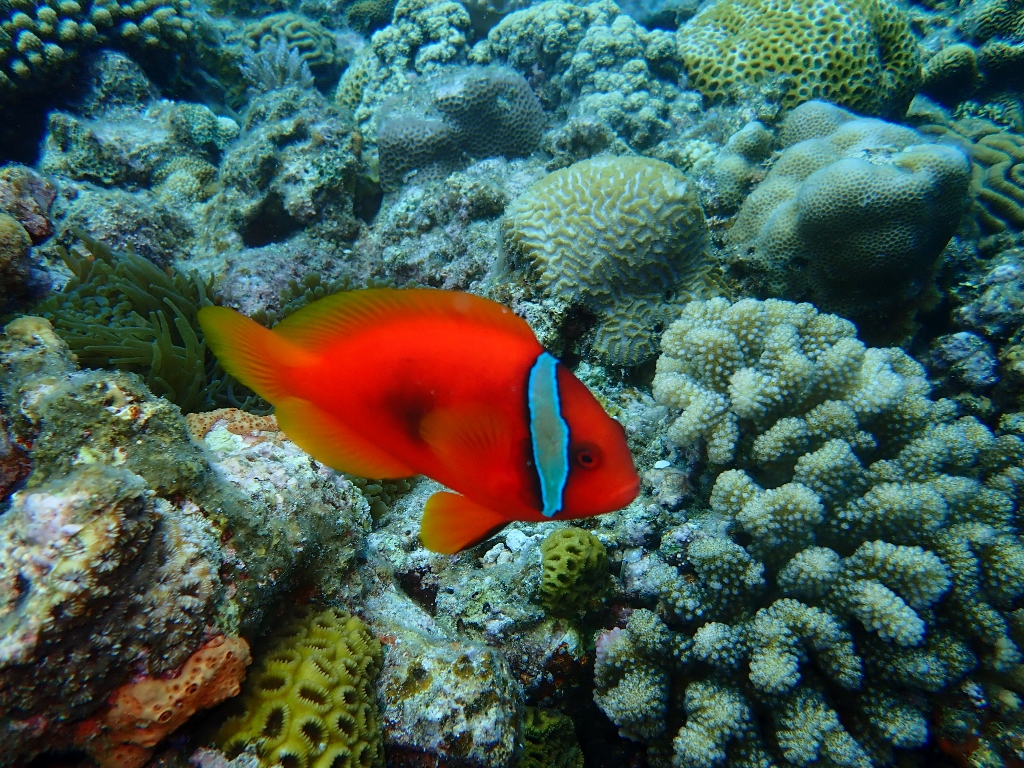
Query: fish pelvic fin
[(256, 356), (452, 523)]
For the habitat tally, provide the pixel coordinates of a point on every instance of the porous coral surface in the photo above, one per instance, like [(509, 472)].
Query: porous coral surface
[(860, 54), (853, 214)]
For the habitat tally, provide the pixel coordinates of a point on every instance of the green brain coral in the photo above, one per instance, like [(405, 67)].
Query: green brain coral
[(549, 740), (575, 572), (39, 39), (616, 235), (860, 54), (311, 701)]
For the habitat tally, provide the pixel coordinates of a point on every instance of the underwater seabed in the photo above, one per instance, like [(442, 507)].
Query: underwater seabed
[(780, 241)]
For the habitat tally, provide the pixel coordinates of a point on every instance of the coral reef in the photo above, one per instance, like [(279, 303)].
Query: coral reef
[(997, 163), (125, 546), (144, 711), (311, 701), (806, 233), (598, 64), (860, 556), (40, 40), (575, 564), (423, 36), (26, 197), (617, 235), (314, 45), (859, 54), (472, 112), (293, 168)]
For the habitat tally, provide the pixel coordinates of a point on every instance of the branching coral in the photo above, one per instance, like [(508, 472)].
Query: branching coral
[(859, 560)]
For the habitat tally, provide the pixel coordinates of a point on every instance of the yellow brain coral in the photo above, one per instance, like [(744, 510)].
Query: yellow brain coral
[(617, 235), (311, 702), (860, 54)]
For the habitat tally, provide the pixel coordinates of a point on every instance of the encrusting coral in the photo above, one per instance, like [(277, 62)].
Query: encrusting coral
[(859, 54), (143, 712), (853, 214), (311, 701), (859, 558), (575, 570), (616, 235)]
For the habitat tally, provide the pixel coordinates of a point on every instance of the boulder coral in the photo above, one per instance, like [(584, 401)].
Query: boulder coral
[(854, 562), (853, 214), (860, 54), (575, 570), (617, 236)]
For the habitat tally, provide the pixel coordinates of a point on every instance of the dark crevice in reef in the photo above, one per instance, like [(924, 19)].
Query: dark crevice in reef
[(270, 224)]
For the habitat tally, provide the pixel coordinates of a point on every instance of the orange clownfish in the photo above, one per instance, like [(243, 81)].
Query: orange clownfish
[(395, 383)]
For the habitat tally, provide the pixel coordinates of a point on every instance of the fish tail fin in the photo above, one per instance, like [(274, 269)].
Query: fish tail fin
[(256, 356), (452, 523)]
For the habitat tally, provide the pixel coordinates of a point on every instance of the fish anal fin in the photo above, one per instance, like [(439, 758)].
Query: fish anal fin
[(343, 314), (452, 523), (326, 439), (470, 438)]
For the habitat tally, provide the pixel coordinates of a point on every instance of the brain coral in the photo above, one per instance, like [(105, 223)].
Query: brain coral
[(469, 112), (855, 560), (997, 163), (617, 235), (860, 54), (38, 40), (575, 572), (311, 702), (853, 215)]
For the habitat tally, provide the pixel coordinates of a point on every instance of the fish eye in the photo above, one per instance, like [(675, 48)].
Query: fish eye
[(587, 456)]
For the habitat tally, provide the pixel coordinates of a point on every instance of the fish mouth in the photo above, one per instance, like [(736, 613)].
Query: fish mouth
[(624, 497)]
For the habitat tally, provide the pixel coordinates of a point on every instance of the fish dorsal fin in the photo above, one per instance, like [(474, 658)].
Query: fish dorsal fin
[(326, 439), (452, 523), (345, 313), (468, 438)]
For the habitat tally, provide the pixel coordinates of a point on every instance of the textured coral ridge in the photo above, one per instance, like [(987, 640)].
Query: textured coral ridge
[(311, 702), (853, 214), (39, 38), (575, 570), (860, 558), (616, 235), (859, 54)]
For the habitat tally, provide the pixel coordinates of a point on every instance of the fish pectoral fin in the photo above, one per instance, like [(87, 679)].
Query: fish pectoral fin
[(468, 439), (452, 523), (326, 439)]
